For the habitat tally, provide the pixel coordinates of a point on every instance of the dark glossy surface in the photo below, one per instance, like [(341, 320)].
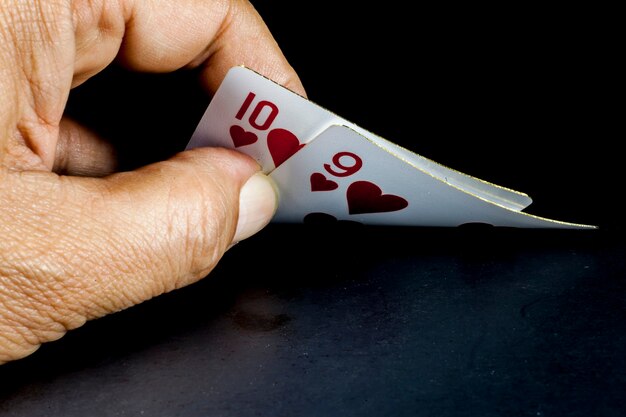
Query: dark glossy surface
[(352, 321), (310, 322)]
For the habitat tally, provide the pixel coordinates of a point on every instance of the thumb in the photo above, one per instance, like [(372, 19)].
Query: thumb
[(80, 248)]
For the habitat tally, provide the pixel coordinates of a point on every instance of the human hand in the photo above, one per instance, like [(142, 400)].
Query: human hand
[(90, 242)]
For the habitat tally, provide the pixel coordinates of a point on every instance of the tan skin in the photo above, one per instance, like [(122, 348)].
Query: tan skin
[(78, 240)]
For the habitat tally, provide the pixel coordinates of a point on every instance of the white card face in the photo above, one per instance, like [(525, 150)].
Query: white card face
[(343, 174), (268, 122), (260, 118), (293, 138)]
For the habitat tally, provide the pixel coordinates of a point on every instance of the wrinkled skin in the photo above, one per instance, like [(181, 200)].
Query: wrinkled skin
[(78, 240)]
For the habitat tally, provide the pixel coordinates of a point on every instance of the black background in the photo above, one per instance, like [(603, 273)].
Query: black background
[(525, 97), (345, 320)]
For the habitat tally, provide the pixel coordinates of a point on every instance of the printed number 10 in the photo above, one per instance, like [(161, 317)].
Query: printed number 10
[(264, 108)]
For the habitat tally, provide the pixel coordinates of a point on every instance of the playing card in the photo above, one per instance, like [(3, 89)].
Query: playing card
[(344, 175), (327, 167), (263, 119), (258, 117)]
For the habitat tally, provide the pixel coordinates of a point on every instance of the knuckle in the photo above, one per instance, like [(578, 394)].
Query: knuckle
[(39, 285), (27, 316)]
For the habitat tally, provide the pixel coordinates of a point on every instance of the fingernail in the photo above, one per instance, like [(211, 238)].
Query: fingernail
[(257, 205)]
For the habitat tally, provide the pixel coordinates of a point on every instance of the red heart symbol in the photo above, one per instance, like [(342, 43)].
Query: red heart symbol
[(242, 137), (282, 145), (367, 197), (320, 183)]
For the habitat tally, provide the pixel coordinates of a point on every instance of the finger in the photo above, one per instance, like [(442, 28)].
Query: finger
[(236, 35), (81, 152), (74, 249), (246, 40), (158, 36)]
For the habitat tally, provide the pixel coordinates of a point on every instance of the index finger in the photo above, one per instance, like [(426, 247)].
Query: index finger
[(163, 36)]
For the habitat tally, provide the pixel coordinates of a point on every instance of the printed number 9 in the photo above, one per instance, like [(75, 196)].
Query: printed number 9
[(345, 167)]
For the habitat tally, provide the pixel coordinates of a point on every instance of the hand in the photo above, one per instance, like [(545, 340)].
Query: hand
[(81, 245)]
